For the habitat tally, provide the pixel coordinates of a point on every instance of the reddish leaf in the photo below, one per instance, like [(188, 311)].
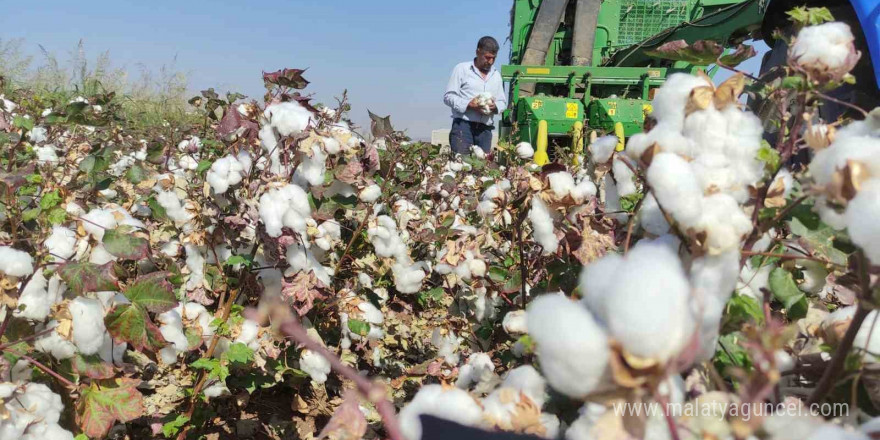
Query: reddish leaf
[(286, 78), (302, 291), (101, 406), (92, 367), (371, 158), (347, 421), (234, 124), (702, 52), (16, 178), (132, 324), (84, 277), (350, 173)]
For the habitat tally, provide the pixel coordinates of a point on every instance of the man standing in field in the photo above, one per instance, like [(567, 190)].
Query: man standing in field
[(475, 93)]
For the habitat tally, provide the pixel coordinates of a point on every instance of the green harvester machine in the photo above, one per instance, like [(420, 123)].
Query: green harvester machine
[(580, 68)]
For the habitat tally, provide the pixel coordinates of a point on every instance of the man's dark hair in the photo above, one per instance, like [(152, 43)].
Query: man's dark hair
[(487, 44)]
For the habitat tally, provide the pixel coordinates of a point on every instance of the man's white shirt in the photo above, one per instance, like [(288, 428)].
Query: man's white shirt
[(467, 82)]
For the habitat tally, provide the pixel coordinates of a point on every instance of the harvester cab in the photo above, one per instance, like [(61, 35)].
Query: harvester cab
[(584, 68)]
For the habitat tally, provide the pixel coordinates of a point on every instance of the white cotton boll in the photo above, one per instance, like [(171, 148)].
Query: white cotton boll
[(331, 145), (449, 404), (861, 215), (311, 170), (61, 243), (216, 389), (479, 367), (446, 345), (88, 324), (514, 322), (97, 221), (119, 167), (602, 148), (669, 101), (651, 218), (225, 172), (175, 210), (752, 280), (528, 381), (40, 401), (676, 188), (47, 431), (248, 335), (329, 232), (826, 50), (408, 277), (561, 183), (624, 177), (303, 260), (650, 303), (315, 365), (596, 284), (38, 297), (111, 352), (53, 344), (47, 154), (288, 118), (612, 201), (571, 346), (524, 150), (542, 226), (478, 152), (862, 149), (188, 162), (38, 135), (171, 249), (340, 188), (386, 240), (584, 190), (370, 194), (725, 223), (100, 255), (195, 262), (713, 279), (285, 207), (15, 263), (269, 142)]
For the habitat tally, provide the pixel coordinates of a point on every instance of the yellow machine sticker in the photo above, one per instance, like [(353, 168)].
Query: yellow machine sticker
[(612, 111), (571, 110), (537, 71), (647, 109), (653, 74), (536, 104)]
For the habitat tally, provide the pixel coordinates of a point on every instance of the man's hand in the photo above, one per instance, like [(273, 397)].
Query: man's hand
[(493, 108), (474, 104)]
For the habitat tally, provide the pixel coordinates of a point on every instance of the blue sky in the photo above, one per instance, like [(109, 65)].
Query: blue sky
[(393, 56)]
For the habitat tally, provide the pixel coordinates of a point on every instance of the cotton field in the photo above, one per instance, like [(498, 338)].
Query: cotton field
[(275, 271)]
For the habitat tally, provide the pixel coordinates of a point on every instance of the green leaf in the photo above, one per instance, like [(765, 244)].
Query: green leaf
[(152, 293), (83, 277), (22, 122), (769, 156), (359, 327), (786, 292), (193, 338), (49, 200), (498, 274), (527, 343), (818, 236), (628, 203), (740, 310), (57, 216), (136, 174), (81, 437), (805, 16), (214, 367), (30, 214), (204, 165), (247, 260), (435, 295), (239, 353), (158, 211), (171, 428), (88, 164), (121, 243), (132, 324), (731, 353), (793, 82), (101, 406)]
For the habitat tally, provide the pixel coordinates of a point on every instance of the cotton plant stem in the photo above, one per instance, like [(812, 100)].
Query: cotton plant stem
[(374, 392), (832, 371)]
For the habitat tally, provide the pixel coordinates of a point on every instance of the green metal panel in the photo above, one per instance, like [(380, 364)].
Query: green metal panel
[(604, 113)]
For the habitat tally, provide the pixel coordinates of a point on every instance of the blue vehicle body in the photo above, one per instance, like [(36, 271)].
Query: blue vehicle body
[(868, 12)]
